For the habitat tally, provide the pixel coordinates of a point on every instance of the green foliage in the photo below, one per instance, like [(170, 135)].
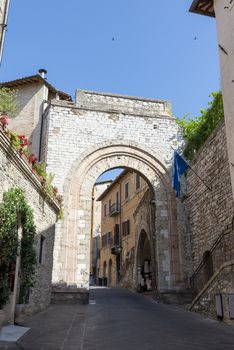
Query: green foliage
[(7, 101), (196, 131), (14, 139), (40, 169), (13, 205), (48, 187)]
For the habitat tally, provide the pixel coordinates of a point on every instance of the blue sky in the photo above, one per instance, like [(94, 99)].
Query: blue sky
[(153, 53)]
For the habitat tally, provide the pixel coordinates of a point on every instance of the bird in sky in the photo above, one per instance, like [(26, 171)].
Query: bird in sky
[(113, 39), (195, 38)]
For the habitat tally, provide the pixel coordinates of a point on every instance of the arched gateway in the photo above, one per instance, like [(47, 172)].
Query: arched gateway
[(101, 132)]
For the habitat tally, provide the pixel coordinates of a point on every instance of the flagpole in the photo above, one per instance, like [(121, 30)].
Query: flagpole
[(199, 177)]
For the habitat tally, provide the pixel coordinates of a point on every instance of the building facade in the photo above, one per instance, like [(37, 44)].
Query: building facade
[(98, 189), (119, 231), (33, 94), (100, 131)]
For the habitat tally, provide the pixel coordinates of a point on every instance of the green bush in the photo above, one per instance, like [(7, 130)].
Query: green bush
[(14, 205), (196, 131)]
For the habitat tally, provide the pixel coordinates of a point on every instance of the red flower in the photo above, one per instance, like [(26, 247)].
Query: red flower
[(55, 189), (4, 120), (32, 158)]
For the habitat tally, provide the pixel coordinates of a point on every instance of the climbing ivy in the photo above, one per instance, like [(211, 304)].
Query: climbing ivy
[(196, 131), (14, 205)]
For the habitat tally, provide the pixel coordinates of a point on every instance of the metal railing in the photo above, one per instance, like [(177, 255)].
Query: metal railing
[(114, 209)]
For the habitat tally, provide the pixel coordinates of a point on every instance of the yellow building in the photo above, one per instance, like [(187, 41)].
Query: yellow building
[(118, 227)]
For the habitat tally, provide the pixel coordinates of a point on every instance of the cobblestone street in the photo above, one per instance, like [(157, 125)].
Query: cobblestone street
[(119, 319)]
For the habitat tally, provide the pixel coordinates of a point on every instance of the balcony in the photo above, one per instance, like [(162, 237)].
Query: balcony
[(116, 249), (114, 209)]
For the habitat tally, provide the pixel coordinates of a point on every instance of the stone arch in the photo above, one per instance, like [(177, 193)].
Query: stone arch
[(75, 230), (104, 273), (110, 272), (142, 237)]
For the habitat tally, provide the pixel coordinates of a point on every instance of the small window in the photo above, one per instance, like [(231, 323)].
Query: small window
[(109, 205), (126, 228), (126, 190), (109, 238), (104, 241), (117, 199), (105, 210), (138, 182), (41, 251)]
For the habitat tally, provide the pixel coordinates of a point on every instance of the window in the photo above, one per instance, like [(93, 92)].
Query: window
[(138, 182), (126, 190), (109, 205), (126, 227), (104, 241), (41, 250), (104, 209), (109, 238), (117, 200)]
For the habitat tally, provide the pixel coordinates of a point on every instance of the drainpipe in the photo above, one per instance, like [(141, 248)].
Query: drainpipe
[(120, 231), (4, 27), (42, 73)]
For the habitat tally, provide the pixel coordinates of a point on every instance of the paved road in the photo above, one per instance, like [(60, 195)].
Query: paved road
[(117, 319)]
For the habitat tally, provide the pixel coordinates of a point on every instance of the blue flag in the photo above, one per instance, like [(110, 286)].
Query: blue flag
[(179, 167)]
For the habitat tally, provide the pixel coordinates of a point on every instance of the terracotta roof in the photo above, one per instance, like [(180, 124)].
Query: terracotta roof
[(37, 78), (203, 7)]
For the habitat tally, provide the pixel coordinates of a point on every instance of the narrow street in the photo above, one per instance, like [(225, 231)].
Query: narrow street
[(119, 319)]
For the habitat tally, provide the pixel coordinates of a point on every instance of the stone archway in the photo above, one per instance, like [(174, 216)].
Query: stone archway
[(71, 262), (110, 272), (144, 262)]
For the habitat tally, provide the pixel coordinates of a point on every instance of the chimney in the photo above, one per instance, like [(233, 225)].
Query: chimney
[(42, 72)]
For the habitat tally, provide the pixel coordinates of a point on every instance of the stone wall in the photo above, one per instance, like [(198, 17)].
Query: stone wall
[(221, 284), (15, 172), (210, 213), (100, 132)]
